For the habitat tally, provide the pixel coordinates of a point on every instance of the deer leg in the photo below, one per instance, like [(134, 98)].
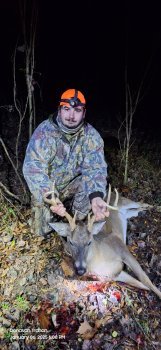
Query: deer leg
[(131, 262), (126, 278)]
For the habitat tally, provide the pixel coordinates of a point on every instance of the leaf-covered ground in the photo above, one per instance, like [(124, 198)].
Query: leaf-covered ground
[(43, 305)]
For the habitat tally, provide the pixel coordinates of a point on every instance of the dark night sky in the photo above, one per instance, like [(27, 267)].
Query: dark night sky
[(85, 45)]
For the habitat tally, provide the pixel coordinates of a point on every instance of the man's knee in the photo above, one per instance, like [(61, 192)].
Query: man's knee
[(82, 205), (74, 198)]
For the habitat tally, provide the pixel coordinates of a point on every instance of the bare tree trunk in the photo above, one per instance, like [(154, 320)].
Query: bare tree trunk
[(13, 165), (29, 35), (30, 94), (131, 104), (27, 105)]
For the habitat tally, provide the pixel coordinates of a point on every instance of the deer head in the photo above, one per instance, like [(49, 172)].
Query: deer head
[(79, 235), (79, 241)]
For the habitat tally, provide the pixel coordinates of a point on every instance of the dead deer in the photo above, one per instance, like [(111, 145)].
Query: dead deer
[(99, 248)]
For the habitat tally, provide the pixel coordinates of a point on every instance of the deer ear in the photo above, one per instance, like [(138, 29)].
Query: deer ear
[(97, 226), (61, 228)]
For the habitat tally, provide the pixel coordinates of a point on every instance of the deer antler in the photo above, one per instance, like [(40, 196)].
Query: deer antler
[(112, 207), (54, 201), (91, 219)]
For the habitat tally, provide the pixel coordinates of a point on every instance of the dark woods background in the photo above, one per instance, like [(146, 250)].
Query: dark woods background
[(88, 46)]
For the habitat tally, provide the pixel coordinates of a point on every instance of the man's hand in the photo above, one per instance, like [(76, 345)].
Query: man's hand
[(58, 209), (99, 208)]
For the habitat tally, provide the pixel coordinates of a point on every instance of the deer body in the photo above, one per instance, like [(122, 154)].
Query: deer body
[(100, 249)]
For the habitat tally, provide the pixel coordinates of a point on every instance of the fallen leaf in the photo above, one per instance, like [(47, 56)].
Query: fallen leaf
[(96, 287), (53, 317), (44, 315), (86, 331), (114, 334), (67, 268), (103, 321), (64, 330), (84, 327), (139, 310), (44, 319), (117, 295)]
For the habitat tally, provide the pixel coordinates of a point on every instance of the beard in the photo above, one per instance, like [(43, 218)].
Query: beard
[(72, 126), (69, 129)]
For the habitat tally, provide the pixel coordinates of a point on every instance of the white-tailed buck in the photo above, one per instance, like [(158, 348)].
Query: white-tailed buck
[(99, 248)]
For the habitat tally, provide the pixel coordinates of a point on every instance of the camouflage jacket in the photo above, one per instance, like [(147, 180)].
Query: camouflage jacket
[(53, 155)]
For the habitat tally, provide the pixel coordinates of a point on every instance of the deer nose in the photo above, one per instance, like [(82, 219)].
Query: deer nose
[(80, 271)]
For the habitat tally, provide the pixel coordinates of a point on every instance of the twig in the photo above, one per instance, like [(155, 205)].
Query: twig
[(5, 189), (141, 328), (5, 149), (18, 109), (20, 215)]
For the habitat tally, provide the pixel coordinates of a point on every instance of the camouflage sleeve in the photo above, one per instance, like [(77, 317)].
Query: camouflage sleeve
[(94, 168), (35, 167)]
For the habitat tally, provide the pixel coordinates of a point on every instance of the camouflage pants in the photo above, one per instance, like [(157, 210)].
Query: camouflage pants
[(73, 197)]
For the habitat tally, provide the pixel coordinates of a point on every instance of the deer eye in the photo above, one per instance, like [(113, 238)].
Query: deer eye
[(71, 242), (89, 242)]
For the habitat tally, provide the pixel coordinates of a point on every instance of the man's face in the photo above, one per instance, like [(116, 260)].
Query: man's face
[(71, 116)]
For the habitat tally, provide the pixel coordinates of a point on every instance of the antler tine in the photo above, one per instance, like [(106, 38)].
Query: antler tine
[(109, 194), (112, 207), (91, 221), (54, 201), (117, 198), (71, 220), (73, 224)]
